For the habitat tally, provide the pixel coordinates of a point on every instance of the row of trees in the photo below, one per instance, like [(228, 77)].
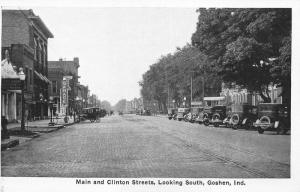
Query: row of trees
[(170, 78), (248, 47)]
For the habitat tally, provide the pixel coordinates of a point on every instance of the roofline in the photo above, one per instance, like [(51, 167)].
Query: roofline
[(42, 25)]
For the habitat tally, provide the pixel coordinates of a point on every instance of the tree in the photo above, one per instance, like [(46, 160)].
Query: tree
[(120, 106), (106, 105), (171, 76), (244, 43)]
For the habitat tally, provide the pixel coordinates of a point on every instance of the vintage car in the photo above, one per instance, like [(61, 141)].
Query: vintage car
[(207, 115), (171, 113), (218, 115), (146, 112), (195, 112), (273, 117), (243, 116), (227, 120), (92, 113), (182, 112), (199, 116)]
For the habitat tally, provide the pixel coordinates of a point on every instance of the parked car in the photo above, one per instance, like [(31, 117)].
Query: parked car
[(227, 120), (92, 113), (207, 115), (243, 116), (274, 117), (199, 116), (171, 112), (195, 112), (181, 113), (146, 112), (188, 116), (218, 115)]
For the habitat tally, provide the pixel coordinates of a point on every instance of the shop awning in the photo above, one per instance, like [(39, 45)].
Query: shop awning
[(214, 98), (42, 77), (7, 70)]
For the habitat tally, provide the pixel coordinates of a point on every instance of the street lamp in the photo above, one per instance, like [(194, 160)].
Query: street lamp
[(22, 78), (77, 99), (51, 111)]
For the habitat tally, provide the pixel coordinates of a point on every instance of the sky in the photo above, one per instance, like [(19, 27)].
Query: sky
[(116, 46)]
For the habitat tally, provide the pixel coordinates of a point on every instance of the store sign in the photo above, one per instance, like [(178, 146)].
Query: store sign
[(11, 84), (64, 92), (28, 97)]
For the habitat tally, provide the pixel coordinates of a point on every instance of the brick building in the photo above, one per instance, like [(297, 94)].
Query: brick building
[(25, 36), (56, 71), (82, 97)]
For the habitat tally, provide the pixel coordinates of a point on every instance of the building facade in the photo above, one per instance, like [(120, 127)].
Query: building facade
[(25, 37), (237, 95), (57, 70)]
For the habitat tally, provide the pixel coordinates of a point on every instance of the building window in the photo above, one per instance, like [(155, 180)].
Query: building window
[(54, 87), (27, 77), (35, 48), (31, 76)]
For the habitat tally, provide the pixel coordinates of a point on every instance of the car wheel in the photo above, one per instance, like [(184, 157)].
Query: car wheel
[(260, 130), (235, 127), (248, 124), (235, 119), (206, 122), (217, 118)]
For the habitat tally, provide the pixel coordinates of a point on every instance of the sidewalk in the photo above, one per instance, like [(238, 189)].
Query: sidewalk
[(34, 127), (41, 123)]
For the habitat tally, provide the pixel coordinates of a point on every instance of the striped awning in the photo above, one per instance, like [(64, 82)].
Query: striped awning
[(42, 77)]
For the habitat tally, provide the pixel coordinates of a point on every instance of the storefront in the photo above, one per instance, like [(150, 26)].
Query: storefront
[(10, 92)]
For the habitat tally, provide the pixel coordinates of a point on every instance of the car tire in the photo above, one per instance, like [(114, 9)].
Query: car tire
[(206, 122), (216, 117), (260, 130), (235, 119)]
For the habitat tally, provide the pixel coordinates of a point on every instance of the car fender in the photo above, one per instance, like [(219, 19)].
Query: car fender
[(244, 121), (216, 115)]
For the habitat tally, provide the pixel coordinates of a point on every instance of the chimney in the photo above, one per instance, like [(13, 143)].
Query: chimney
[(76, 61)]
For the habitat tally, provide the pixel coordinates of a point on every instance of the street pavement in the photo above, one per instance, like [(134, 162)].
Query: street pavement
[(147, 146)]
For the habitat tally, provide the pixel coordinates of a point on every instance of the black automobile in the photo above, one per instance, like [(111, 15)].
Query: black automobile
[(199, 118), (227, 120), (243, 116), (182, 113), (195, 112), (218, 115), (207, 115), (273, 117), (146, 112), (171, 113)]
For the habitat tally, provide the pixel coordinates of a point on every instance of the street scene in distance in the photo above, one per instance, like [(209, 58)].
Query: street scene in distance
[(146, 92)]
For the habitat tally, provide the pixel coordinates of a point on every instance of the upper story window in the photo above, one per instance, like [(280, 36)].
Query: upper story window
[(35, 48), (30, 76), (54, 87)]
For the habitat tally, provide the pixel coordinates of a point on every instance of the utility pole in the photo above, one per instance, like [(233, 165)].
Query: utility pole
[(192, 73), (168, 96), (191, 88)]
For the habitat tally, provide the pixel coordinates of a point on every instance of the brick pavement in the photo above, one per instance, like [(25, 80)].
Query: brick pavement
[(136, 146)]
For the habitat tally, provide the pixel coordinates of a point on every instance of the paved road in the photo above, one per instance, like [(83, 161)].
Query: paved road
[(141, 146)]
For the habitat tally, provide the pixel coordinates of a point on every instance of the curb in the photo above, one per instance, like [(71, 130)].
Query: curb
[(14, 142), (9, 144)]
